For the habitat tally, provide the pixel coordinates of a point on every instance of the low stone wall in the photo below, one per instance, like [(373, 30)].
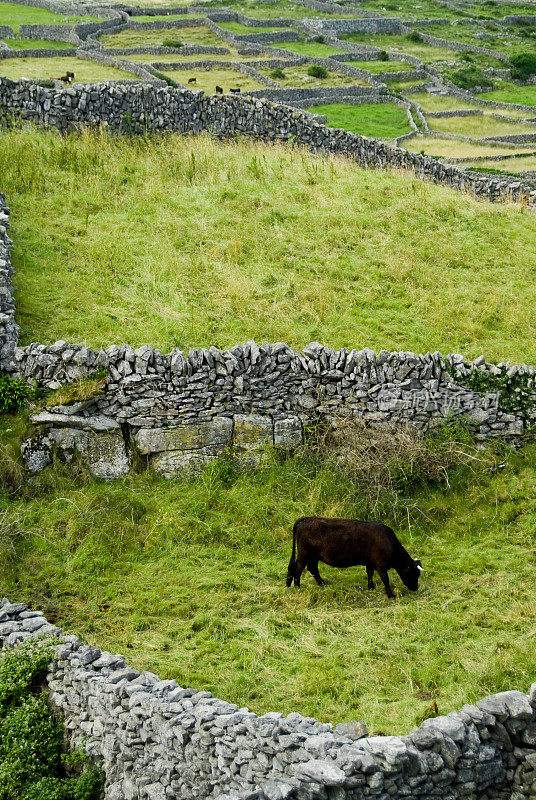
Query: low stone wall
[(6, 32), (56, 33), (40, 52), (336, 94), (9, 330), (157, 740), (152, 108), (376, 25)]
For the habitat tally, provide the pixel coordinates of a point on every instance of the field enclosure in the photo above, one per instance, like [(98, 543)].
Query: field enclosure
[(470, 52)]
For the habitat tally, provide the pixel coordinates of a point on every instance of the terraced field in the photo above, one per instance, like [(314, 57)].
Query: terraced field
[(449, 60)]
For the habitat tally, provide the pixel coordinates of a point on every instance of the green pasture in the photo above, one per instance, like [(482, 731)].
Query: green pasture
[(281, 9), (15, 15), (238, 28), (384, 120), (187, 578), (521, 163), (499, 39), (36, 44), (298, 76), (55, 67), (179, 58), (400, 86), (426, 53), (407, 9), (315, 49), (209, 79), (480, 127), (457, 148), (442, 102), (157, 36), (381, 66), (509, 92), (250, 241)]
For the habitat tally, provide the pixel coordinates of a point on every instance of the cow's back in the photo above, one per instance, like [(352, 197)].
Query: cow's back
[(346, 542)]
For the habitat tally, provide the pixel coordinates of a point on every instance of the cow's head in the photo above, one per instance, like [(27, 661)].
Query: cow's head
[(410, 574)]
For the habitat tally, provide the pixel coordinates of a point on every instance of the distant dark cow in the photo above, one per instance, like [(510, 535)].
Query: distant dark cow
[(235, 91), (192, 80), (219, 90), (68, 77), (347, 543)]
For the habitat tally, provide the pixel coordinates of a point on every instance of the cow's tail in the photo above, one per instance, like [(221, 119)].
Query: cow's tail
[(292, 562)]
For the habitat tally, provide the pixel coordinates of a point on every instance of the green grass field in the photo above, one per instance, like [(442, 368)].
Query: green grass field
[(156, 36), (187, 578), (480, 127), (249, 241), (33, 44), (428, 54), (369, 119), (209, 79), (38, 68), (16, 15), (238, 28), (315, 49), (381, 66), (457, 148), (298, 76), (508, 92)]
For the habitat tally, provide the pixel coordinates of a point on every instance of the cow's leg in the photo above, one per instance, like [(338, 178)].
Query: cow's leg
[(312, 566), (370, 573), (385, 580), (298, 569)]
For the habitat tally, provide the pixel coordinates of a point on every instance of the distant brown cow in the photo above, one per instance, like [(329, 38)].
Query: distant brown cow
[(347, 543)]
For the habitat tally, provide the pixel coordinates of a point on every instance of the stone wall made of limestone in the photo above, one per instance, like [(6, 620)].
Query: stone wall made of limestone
[(151, 108), (9, 330), (157, 740)]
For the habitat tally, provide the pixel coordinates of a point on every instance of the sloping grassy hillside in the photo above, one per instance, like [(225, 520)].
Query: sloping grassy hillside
[(179, 241), (187, 578)]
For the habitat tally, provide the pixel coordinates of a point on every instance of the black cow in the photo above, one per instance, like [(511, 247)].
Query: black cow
[(192, 80), (68, 77), (235, 91), (219, 90), (347, 543)]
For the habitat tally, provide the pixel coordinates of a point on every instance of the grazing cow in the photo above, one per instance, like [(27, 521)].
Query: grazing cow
[(192, 80), (235, 91), (347, 543), (68, 77), (219, 90)]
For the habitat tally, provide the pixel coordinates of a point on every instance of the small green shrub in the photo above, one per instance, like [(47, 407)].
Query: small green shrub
[(383, 55), (32, 766), (172, 43), (14, 394), (166, 78), (277, 74), (470, 77), (415, 37), (319, 39), (523, 65), (316, 71)]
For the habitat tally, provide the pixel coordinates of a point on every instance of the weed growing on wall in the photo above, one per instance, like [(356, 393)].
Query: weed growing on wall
[(33, 765), (516, 392)]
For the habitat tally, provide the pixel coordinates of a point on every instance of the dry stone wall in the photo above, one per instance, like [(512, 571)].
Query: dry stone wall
[(149, 108), (158, 740), (180, 410)]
